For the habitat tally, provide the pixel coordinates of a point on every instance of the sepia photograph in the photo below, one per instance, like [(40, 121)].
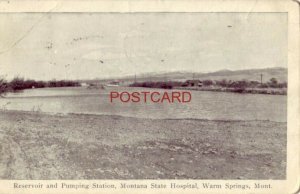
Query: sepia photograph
[(143, 96), (124, 97)]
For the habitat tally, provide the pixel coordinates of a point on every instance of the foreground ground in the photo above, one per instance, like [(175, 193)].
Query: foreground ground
[(41, 146)]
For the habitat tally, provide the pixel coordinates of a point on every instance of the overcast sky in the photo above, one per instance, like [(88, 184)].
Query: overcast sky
[(88, 46)]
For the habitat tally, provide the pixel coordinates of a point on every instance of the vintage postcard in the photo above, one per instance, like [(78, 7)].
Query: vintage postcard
[(149, 96)]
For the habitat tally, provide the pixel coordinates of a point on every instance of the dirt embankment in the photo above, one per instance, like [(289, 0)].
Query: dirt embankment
[(41, 146)]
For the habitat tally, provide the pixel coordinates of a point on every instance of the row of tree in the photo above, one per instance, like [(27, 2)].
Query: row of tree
[(160, 84), (21, 84), (272, 83)]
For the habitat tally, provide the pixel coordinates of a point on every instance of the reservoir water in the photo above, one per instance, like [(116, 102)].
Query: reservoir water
[(204, 104)]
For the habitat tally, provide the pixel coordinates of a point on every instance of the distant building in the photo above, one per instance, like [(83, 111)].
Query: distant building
[(193, 83), (83, 84), (113, 83)]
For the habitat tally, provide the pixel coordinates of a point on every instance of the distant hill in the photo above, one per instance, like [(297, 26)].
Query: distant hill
[(249, 74), (252, 74)]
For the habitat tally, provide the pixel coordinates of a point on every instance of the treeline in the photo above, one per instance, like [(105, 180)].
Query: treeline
[(240, 85), (21, 84), (160, 84), (272, 83)]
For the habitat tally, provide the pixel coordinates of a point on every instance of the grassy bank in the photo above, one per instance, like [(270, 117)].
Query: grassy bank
[(42, 146)]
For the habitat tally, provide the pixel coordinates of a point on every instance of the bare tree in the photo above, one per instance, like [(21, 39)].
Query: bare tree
[(3, 86)]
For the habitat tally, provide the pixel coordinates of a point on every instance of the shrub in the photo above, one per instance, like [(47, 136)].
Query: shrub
[(207, 82), (163, 85), (222, 83), (20, 84), (17, 84), (3, 86)]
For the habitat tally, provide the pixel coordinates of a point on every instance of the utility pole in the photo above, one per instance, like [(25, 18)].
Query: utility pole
[(261, 78), (134, 78), (193, 76)]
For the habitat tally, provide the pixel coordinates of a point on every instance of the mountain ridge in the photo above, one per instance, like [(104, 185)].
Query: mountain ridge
[(280, 73)]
